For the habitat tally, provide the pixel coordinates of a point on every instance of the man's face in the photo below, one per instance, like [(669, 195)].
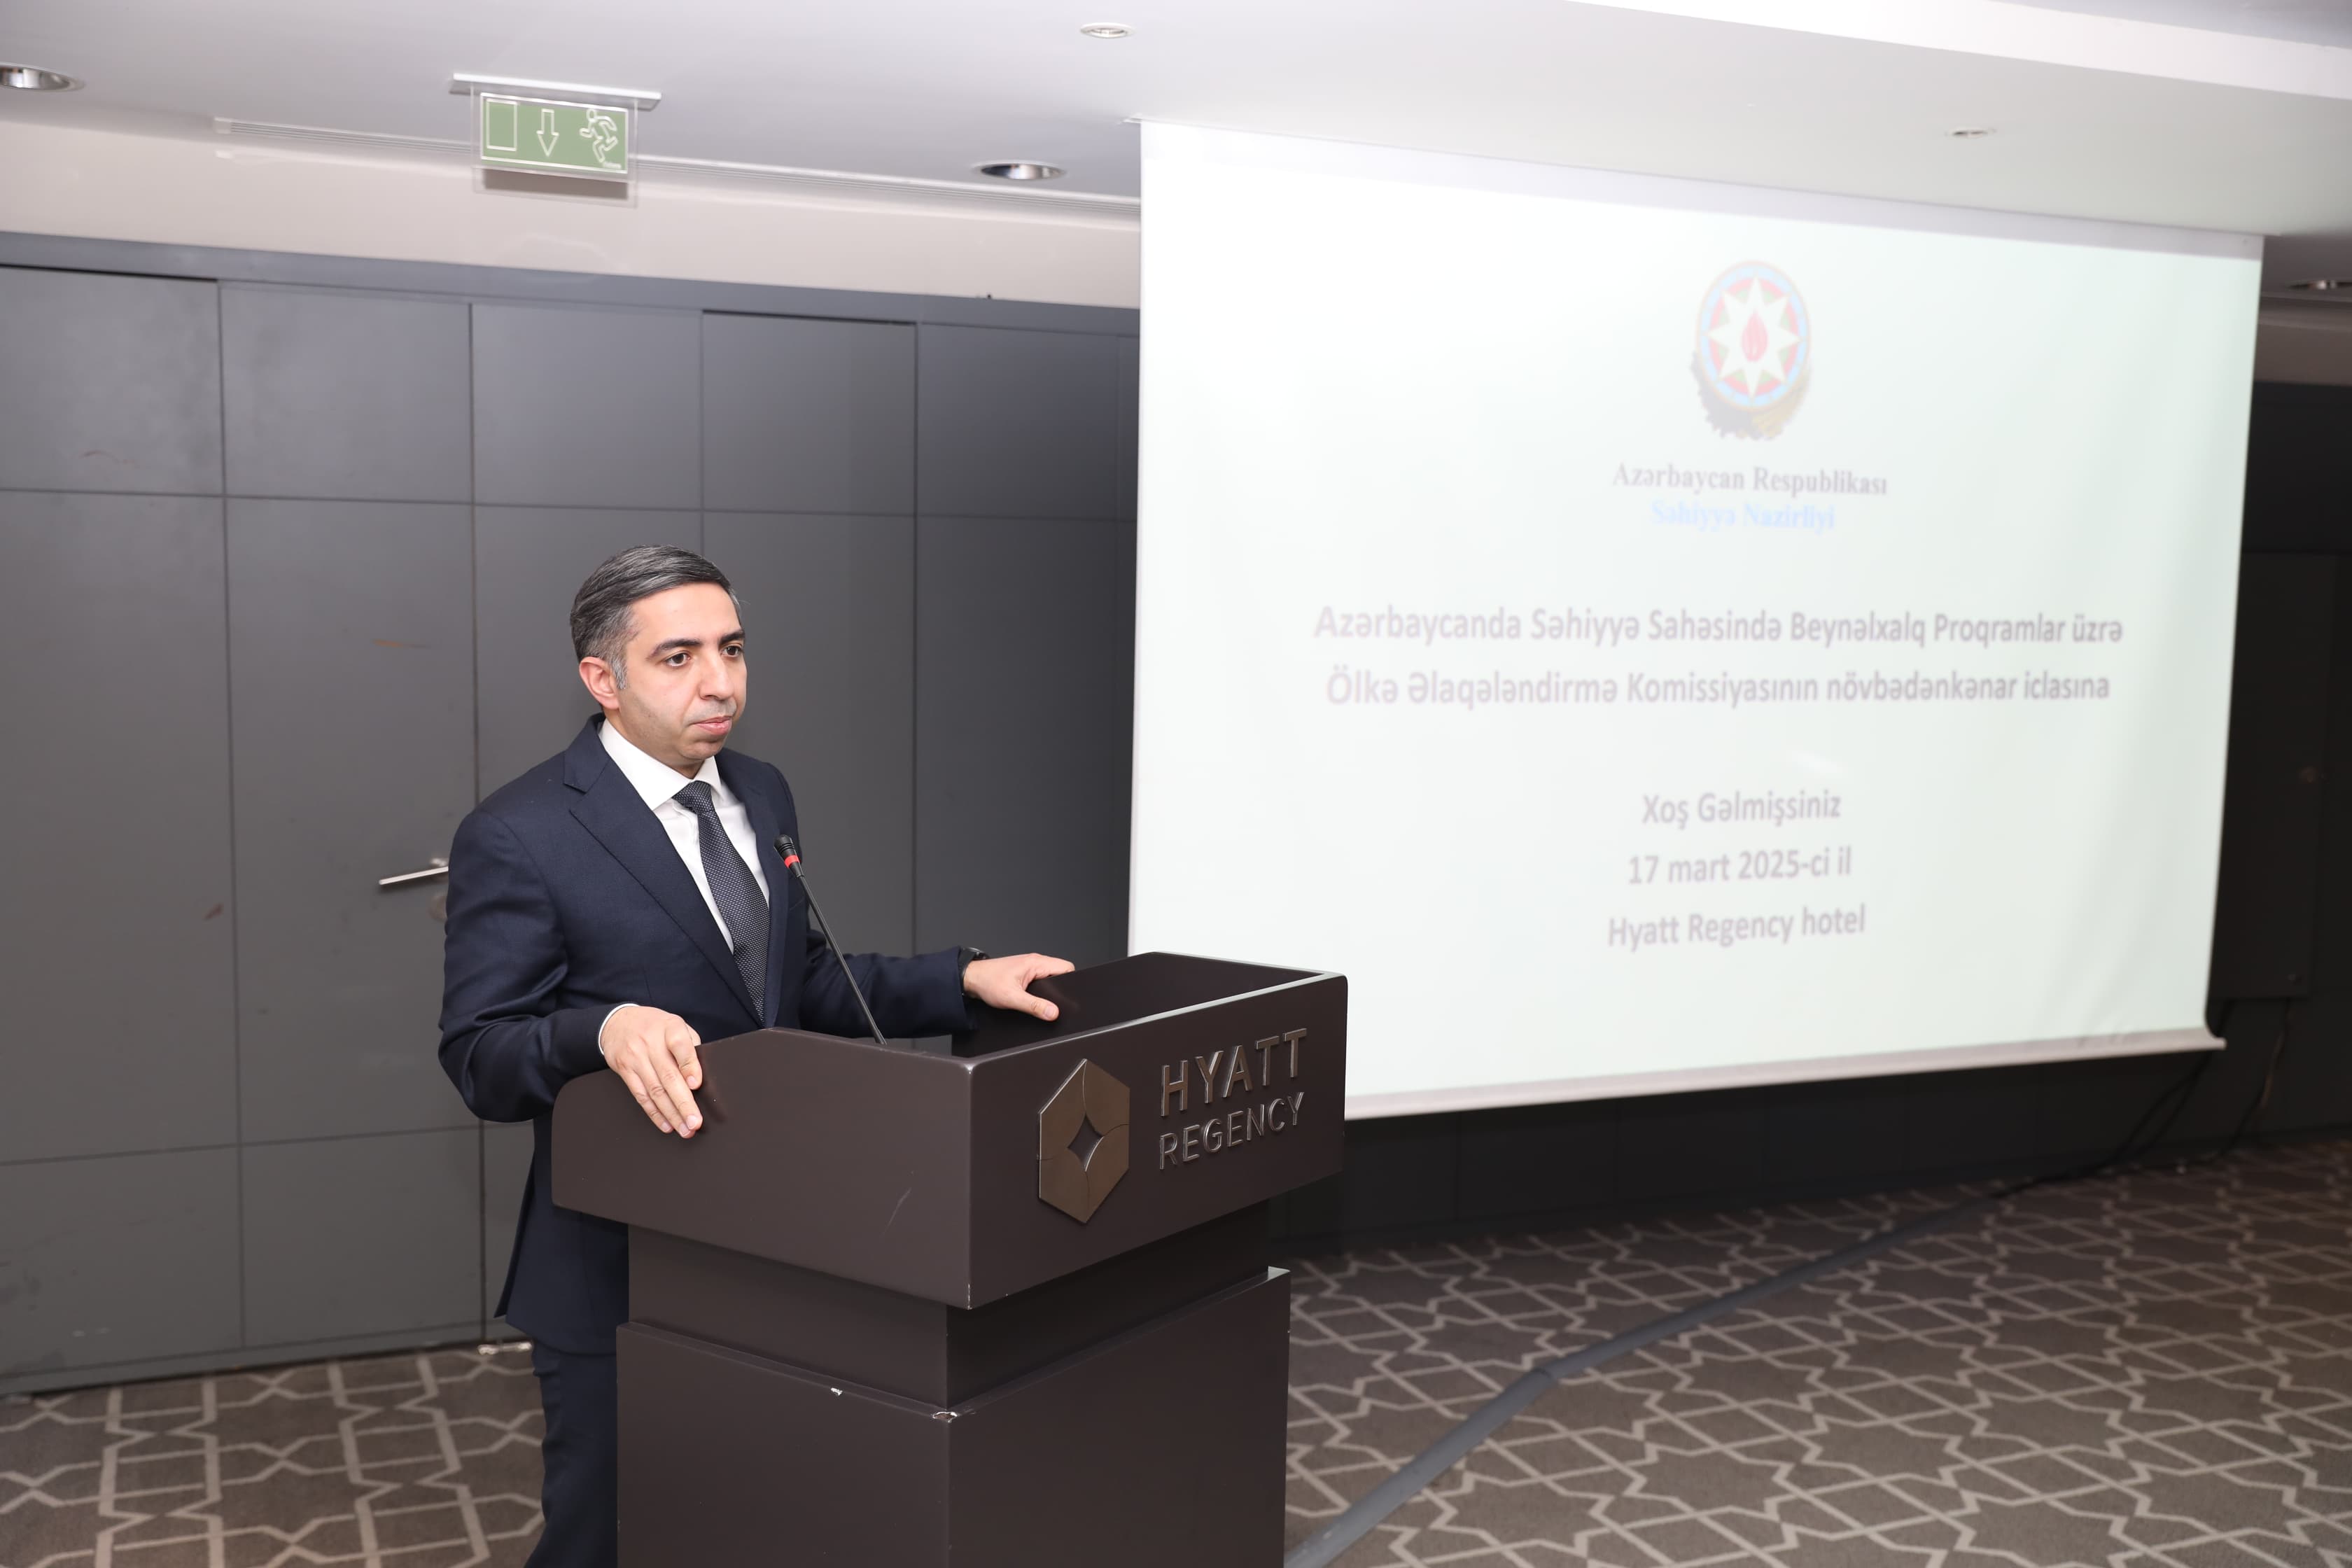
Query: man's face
[(686, 676)]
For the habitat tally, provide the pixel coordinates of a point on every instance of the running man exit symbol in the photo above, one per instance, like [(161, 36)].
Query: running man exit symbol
[(555, 137)]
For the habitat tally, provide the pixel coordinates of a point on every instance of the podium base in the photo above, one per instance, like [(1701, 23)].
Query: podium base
[(1159, 1447)]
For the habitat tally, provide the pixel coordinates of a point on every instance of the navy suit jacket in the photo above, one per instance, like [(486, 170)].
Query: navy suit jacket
[(567, 898)]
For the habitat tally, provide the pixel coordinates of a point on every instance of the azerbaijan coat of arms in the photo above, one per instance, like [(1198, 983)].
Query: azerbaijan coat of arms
[(1755, 351)]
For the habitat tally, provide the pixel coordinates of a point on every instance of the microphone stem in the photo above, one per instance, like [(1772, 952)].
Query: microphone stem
[(848, 979)]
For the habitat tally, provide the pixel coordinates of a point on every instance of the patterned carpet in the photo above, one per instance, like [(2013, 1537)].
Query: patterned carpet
[(2144, 1372), (424, 1461), (2150, 1373)]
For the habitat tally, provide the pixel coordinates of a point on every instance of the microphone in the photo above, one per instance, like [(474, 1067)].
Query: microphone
[(792, 854)]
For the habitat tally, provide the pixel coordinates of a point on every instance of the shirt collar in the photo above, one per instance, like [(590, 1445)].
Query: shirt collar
[(655, 782)]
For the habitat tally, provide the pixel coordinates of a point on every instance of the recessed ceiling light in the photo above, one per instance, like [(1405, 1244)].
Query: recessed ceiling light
[(1106, 29), (33, 78), (1020, 171), (1969, 133), (2324, 285)]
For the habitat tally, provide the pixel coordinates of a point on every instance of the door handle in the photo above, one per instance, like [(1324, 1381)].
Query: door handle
[(440, 867)]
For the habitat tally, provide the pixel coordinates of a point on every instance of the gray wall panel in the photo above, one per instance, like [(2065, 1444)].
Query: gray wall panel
[(119, 966), (351, 673), (1128, 386), (1988, 1116), (1402, 1172), (529, 562), (2273, 810), (1546, 1159), (807, 415), (2299, 469), (2084, 1109), (506, 1166), (1676, 1147), (587, 407), (1020, 425), (362, 1235), (114, 383), (356, 396), (828, 610), (1024, 717), (1833, 1134), (540, 284), (117, 1259)]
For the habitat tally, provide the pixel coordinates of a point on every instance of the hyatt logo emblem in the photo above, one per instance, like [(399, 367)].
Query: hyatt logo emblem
[(1082, 1142)]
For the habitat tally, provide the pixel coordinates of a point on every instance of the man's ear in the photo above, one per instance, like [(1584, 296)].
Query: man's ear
[(597, 677)]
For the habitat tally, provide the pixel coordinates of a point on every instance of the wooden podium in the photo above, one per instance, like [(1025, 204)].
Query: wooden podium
[(1007, 1305)]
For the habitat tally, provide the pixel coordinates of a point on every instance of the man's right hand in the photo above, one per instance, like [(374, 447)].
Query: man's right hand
[(653, 1052)]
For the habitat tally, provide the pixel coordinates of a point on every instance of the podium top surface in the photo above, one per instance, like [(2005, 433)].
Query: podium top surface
[(1171, 1091), (1125, 991)]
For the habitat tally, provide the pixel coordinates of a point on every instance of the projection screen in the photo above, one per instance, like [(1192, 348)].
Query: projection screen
[(1650, 634)]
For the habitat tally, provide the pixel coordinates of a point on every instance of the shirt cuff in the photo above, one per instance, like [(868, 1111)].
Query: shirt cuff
[(608, 1019)]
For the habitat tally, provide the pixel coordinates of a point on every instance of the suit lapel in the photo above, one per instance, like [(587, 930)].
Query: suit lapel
[(764, 828), (611, 809)]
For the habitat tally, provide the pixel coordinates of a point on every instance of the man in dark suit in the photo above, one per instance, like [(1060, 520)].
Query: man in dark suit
[(614, 908)]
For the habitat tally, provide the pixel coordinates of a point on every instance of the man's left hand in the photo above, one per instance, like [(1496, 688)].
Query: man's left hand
[(1005, 982)]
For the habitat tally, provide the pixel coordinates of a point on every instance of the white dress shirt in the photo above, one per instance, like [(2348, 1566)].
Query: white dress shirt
[(657, 785)]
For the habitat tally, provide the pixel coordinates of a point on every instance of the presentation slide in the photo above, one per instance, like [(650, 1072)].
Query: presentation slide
[(1650, 634)]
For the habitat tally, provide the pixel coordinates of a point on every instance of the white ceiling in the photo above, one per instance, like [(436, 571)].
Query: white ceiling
[(2304, 21), (2211, 113)]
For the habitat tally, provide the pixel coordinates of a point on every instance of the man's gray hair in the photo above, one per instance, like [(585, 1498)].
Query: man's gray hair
[(601, 625)]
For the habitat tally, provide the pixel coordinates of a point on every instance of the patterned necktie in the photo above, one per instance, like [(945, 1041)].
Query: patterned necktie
[(735, 890)]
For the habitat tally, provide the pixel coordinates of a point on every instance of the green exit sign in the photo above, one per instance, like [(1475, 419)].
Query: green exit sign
[(554, 137)]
